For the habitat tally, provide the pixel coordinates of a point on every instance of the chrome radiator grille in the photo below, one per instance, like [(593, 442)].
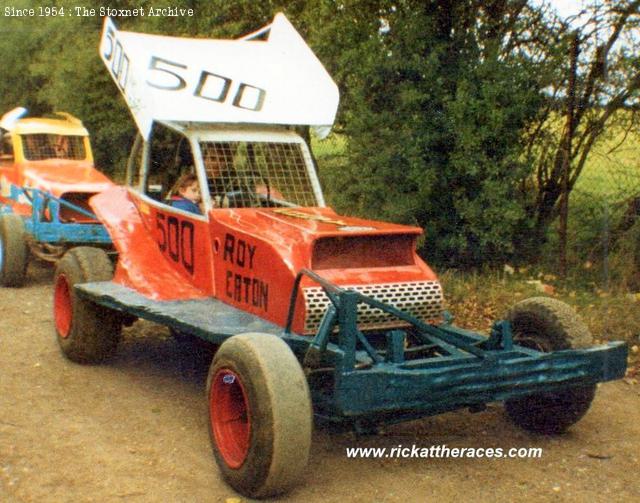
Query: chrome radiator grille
[(422, 299)]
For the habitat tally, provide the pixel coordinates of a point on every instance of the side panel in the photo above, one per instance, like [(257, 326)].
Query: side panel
[(142, 265), (207, 318), (11, 177), (182, 239), (252, 275)]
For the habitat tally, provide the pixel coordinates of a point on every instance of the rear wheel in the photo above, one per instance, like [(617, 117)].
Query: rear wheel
[(86, 332), (260, 417), (14, 253), (546, 324)]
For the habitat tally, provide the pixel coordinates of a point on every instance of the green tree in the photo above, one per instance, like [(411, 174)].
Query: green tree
[(441, 103), (594, 74), (20, 41), (57, 66), (436, 95)]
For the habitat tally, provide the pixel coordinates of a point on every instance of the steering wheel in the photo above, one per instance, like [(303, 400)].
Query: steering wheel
[(238, 199)]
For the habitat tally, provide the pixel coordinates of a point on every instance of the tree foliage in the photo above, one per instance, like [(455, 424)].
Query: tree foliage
[(52, 63), (437, 97), (603, 42), (447, 106)]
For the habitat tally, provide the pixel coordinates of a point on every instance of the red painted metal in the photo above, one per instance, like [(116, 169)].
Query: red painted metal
[(187, 247), (58, 176), (141, 264), (249, 257), (230, 416), (55, 176), (284, 245), (62, 308)]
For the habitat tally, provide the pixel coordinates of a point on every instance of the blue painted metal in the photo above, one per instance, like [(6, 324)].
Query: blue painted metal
[(439, 386), (395, 346), (15, 192), (351, 376), (207, 318), (51, 229), (52, 232), (459, 368)]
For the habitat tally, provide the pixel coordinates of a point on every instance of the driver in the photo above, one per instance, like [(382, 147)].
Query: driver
[(185, 194), (61, 147), (218, 160), (230, 186)]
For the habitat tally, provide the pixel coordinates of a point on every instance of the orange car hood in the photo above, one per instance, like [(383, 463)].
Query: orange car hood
[(304, 225), (293, 232), (58, 176)]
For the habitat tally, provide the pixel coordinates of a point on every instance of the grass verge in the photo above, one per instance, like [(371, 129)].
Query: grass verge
[(478, 299)]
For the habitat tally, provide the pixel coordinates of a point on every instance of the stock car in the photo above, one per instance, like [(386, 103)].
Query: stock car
[(313, 313), (47, 176)]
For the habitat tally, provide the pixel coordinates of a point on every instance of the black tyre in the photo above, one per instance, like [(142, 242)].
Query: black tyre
[(260, 416), (86, 332), (546, 324), (14, 253)]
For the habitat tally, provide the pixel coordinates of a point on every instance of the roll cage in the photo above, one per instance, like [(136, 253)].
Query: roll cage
[(237, 167)]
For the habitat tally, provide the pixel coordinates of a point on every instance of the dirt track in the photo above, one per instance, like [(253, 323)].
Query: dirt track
[(135, 430)]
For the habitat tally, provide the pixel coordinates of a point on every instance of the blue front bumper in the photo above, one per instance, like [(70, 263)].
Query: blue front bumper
[(435, 385)]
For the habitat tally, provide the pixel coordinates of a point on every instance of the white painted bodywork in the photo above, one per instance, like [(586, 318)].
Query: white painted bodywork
[(269, 77)]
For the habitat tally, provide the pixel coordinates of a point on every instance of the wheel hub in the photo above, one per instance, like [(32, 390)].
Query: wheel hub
[(62, 310), (230, 417)]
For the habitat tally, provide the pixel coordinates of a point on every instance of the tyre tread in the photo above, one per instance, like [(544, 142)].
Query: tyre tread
[(283, 423), (95, 330), (13, 270), (556, 326)]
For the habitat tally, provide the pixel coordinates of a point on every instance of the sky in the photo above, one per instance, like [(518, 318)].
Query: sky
[(565, 7)]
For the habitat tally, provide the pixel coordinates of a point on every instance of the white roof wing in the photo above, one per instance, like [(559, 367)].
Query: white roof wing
[(8, 120), (274, 81)]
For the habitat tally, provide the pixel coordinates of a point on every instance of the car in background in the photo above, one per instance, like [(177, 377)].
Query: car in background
[(47, 176)]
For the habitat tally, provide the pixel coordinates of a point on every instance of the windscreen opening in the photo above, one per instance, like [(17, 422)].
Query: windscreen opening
[(37, 147), (243, 174)]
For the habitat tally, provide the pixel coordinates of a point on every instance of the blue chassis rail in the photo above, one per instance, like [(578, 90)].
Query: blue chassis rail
[(465, 369), (54, 230)]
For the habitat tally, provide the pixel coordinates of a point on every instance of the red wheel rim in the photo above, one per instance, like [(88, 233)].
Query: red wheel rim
[(230, 417), (62, 307)]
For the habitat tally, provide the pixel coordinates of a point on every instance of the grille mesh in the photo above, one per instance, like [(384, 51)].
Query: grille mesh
[(257, 171), (422, 299), (39, 146)]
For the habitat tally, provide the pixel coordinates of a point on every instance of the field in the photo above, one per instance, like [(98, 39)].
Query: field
[(600, 245), (598, 285), (602, 230), (613, 168)]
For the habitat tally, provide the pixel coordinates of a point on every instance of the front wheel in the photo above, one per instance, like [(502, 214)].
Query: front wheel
[(14, 253), (260, 417), (86, 332), (546, 324)]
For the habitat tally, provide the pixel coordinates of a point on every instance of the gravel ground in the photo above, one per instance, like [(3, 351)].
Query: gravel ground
[(134, 429)]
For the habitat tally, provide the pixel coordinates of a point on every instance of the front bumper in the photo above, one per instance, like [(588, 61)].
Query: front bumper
[(435, 385)]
